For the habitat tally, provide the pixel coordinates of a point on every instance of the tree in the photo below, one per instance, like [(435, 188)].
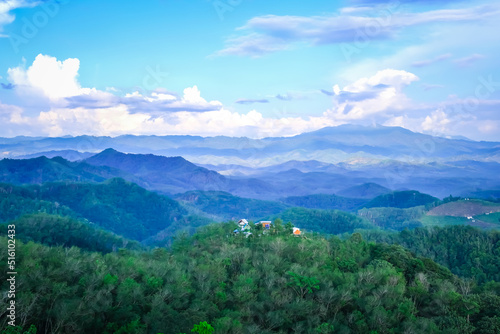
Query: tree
[(203, 328), (302, 285), (19, 330)]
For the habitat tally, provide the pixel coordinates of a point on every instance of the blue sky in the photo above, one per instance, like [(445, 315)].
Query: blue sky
[(248, 67)]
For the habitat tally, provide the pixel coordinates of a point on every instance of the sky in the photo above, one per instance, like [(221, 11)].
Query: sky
[(249, 68)]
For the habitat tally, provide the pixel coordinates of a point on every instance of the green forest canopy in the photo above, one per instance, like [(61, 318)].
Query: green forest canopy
[(276, 283)]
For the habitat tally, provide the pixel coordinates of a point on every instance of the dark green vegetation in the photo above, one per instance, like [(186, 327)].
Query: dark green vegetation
[(401, 199), (323, 221), (467, 251), (275, 283), (394, 218), (226, 206), (55, 230), (115, 205)]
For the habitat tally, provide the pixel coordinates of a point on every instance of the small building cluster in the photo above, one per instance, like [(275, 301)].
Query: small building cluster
[(244, 227)]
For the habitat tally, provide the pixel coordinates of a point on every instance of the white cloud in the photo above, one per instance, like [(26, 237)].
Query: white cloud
[(159, 101), (50, 77), (436, 122), (379, 98), (368, 96), (57, 81), (75, 110), (118, 120), (7, 6)]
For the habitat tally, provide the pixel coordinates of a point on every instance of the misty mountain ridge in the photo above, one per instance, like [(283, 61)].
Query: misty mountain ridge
[(344, 143), (326, 161)]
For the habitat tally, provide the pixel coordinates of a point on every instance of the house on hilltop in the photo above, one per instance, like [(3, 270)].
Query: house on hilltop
[(266, 224), (243, 224)]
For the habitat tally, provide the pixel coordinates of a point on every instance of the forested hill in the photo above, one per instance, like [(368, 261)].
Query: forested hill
[(465, 250), (54, 230), (40, 170), (401, 199), (275, 283), (323, 221), (226, 206), (116, 205)]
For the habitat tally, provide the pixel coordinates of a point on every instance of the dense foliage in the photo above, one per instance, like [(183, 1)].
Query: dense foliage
[(116, 205), (16, 201), (275, 283), (323, 201), (324, 221), (227, 206), (465, 250), (65, 231), (401, 199), (394, 218)]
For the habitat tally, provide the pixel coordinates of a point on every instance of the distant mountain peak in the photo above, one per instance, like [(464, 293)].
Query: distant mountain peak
[(109, 151)]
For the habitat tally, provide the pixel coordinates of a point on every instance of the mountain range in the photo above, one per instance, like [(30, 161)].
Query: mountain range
[(332, 160)]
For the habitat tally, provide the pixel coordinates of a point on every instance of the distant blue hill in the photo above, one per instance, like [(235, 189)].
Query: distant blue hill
[(329, 160)]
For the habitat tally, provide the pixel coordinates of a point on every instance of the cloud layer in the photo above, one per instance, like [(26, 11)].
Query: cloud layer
[(70, 109), (271, 33)]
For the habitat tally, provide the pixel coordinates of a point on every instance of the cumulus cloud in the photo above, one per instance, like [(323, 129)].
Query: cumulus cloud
[(378, 98), (436, 122), (159, 101), (71, 109), (90, 111), (372, 95), (118, 120), (271, 33), (50, 77), (57, 81)]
